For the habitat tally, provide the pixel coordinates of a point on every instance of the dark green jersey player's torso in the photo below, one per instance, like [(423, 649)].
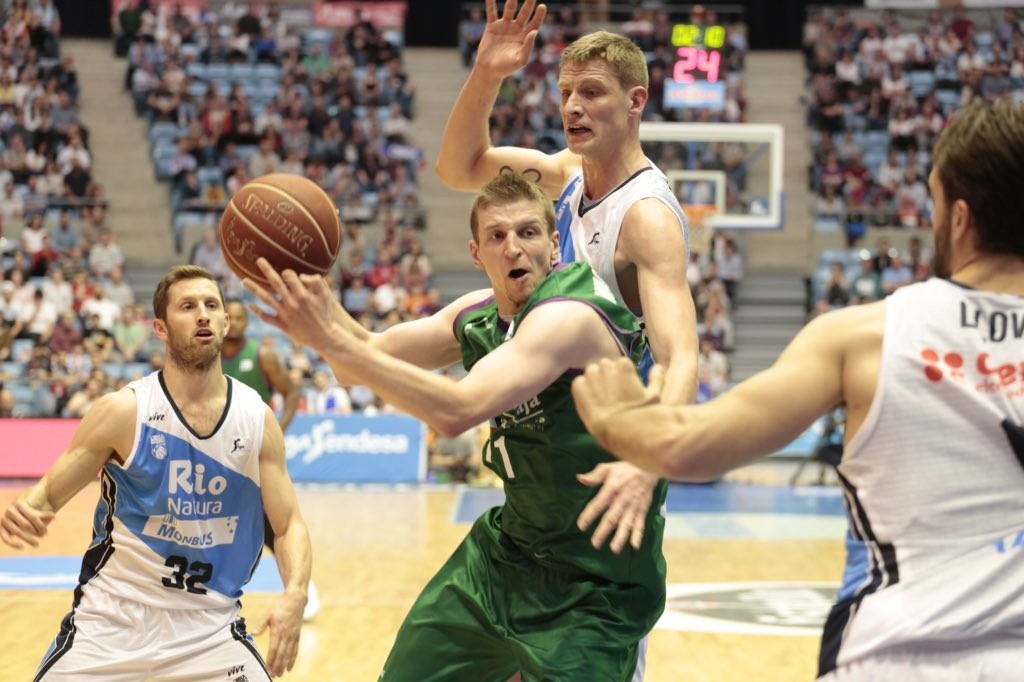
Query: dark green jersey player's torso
[(539, 447), (245, 366)]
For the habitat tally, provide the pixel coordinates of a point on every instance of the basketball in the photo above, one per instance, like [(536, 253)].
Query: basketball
[(287, 219)]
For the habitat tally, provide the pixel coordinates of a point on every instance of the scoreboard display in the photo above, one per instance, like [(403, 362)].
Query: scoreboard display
[(697, 80)]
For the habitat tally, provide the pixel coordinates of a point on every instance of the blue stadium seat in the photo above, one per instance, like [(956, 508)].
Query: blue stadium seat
[(12, 369), (876, 140), (218, 71), (197, 89), (210, 175), (826, 224), (132, 369), (113, 370), (323, 36), (189, 51), (921, 83), (21, 350), (268, 72), (197, 70), (984, 40), (829, 256), (947, 99), (26, 398), (163, 131), (162, 163), (242, 72)]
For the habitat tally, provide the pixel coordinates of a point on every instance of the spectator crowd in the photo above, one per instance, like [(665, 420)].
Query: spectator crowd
[(880, 89)]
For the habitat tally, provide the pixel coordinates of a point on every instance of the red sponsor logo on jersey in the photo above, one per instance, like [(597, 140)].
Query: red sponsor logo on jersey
[(991, 378), (937, 366)]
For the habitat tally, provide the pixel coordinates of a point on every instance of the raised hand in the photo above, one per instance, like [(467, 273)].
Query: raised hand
[(508, 41), (301, 306)]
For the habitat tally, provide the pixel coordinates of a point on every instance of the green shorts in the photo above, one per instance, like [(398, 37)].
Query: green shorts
[(493, 610)]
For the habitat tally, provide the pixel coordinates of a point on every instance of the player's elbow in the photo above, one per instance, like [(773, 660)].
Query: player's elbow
[(452, 178), (688, 471), (453, 420), (687, 463), (450, 427)]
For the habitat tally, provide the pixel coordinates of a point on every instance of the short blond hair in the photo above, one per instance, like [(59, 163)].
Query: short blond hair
[(622, 56), (178, 273), (509, 188)]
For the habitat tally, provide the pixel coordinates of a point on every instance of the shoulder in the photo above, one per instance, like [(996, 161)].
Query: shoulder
[(120, 404), (576, 320), (848, 326), (574, 292), (240, 391), (650, 226), (104, 425), (466, 304)]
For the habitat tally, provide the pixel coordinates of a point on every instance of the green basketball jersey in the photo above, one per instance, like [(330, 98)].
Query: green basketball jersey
[(539, 447), (246, 368)]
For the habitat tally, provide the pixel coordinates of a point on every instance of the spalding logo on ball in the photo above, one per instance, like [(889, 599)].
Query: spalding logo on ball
[(287, 219)]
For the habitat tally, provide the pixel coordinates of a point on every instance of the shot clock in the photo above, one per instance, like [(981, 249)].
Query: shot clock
[(697, 80), (697, 52)]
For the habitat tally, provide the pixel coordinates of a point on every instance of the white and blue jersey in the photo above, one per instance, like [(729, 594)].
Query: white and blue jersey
[(589, 232), (179, 525), (934, 486)]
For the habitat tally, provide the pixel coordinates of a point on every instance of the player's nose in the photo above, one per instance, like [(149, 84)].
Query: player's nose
[(513, 247), (571, 103)]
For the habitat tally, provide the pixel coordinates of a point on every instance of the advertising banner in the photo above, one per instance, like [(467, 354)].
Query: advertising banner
[(357, 449), (696, 95), (383, 15), (28, 447), (350, 449)]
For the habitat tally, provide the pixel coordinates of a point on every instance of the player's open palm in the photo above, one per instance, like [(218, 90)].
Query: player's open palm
[(508, 41), (302, 305), (24, 523)]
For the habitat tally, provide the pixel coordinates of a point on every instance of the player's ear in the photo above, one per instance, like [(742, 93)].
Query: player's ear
[(638, 97), (474, 253), (960, 220), (160, 328), (556, 250)]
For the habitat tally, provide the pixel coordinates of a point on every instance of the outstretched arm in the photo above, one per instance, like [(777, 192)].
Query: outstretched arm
[(291, 550), (100, 436), (699, 443), (429, 343), (513, 373), (467, 161)]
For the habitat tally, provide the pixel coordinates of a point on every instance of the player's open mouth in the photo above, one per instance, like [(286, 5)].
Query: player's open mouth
[(517, 273), (204, 334), (577, 130)]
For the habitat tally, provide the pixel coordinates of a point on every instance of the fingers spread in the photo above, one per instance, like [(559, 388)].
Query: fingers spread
[(525, 12)]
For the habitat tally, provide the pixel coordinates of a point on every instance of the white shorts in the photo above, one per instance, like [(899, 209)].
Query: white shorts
[(109, 639), (995, 662)]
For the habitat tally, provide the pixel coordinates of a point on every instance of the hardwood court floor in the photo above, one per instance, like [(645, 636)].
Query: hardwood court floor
[(373, 549)]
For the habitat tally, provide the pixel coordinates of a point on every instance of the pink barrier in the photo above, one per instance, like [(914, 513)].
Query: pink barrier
[(28, 447)]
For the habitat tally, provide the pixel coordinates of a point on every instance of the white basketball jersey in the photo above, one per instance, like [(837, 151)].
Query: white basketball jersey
[(934, 482), (591, 233), (180, 524)]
